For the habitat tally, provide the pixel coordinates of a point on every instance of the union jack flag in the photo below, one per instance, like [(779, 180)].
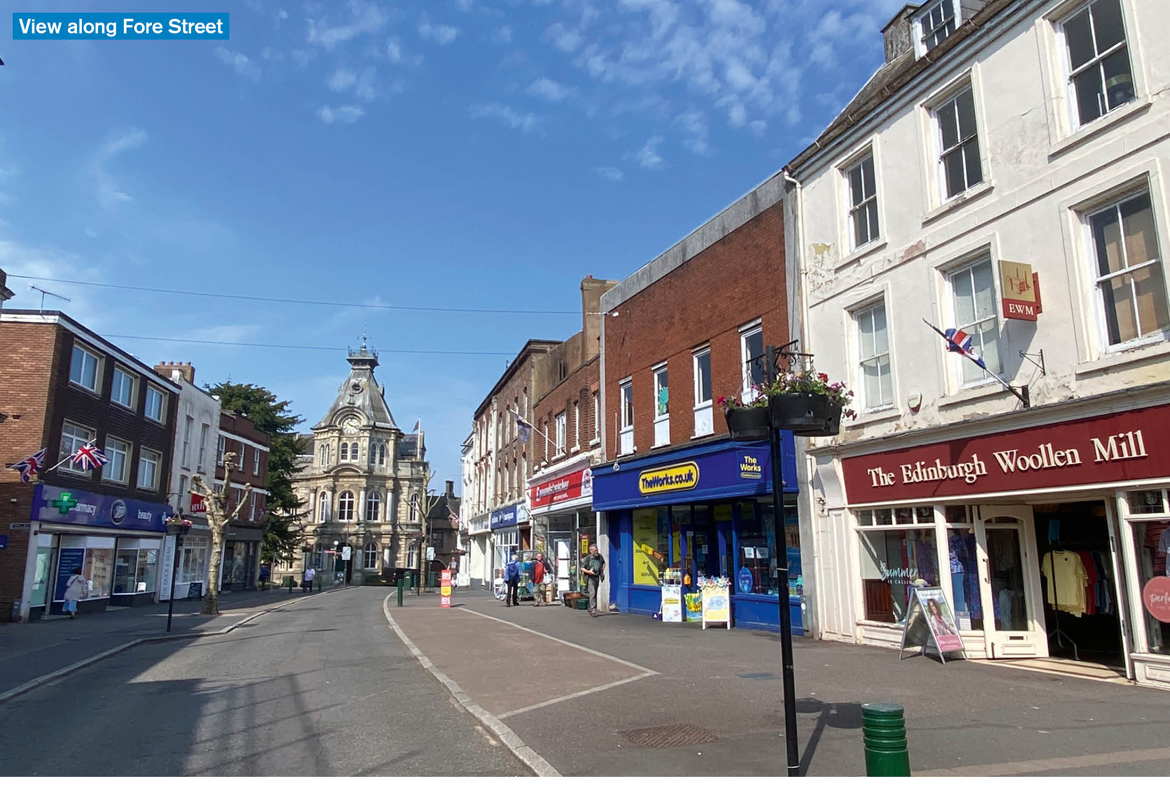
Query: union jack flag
[(959, 341), (88, 457), (29, 467)]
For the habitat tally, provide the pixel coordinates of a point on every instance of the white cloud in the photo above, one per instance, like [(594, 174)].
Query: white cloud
[(226, 333), (465, 5), (549, 90), (439, 34), (564, 39), (612, 174), (268, 54), (695, 123), (365, 17), (346, 114), (341, 80), (88, 307), (503, 35), (394, 50), (239, 62), (759, 127), (648, 157), (109, 194), (526, 123)]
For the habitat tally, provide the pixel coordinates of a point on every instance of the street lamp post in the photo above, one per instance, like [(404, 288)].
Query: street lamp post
[(177, 528)]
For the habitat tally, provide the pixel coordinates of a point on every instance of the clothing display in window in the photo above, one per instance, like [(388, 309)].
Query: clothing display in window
[(1082, 583)]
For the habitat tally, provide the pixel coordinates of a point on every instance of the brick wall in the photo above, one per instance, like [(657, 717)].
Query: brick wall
[(576, 388), (705, 300)]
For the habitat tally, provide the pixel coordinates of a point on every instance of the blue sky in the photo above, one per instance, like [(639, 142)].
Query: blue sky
[(462, 153)]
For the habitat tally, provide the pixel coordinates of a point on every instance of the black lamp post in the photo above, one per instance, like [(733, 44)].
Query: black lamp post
[(177, 528)]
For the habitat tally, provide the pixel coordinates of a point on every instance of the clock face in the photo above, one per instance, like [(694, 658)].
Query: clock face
[(350, 425)]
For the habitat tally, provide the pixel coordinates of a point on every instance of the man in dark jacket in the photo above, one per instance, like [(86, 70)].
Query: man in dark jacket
[(512, 574), (594, 567)]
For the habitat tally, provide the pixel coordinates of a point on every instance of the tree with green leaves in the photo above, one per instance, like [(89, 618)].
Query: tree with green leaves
[(272, 416)]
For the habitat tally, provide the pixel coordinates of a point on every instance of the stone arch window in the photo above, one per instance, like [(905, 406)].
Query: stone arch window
[(344, 456), (312, 504), (324, 455), (323, 507), (345, 507), (353, 451), (319, 559), (414, 507), (371, 559), (381, 455), (373, 507)]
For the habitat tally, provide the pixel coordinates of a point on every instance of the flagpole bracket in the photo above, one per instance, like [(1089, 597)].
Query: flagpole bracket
[(1032, 358)]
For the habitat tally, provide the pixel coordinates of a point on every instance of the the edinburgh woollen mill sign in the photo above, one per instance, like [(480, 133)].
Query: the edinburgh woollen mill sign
[(1132, 445)]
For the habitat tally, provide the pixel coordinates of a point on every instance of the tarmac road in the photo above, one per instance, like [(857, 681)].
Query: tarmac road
[(322, 688)]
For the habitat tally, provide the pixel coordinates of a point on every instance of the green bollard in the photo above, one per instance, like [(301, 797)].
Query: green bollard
[(886, 753), (400, 588)]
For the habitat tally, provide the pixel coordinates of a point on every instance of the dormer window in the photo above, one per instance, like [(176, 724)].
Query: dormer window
[(937, 21)]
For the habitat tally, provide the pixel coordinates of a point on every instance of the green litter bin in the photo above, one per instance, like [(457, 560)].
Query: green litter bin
[(886, 749)]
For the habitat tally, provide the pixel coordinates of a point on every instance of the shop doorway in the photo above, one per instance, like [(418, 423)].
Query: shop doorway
[(1078, 570), (1009, 582)]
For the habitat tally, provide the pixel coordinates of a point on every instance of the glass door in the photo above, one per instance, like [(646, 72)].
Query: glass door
[(1009, 571)]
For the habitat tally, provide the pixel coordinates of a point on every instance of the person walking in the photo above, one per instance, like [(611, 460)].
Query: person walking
[(74, 591), (594, 567), (512, 575), (265, 572), (310, 575)]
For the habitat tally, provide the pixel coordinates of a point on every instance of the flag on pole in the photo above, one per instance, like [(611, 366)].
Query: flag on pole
[(523, 428), (88, 457), (453, 518), (417, 425), (958, 341), (29, 467)]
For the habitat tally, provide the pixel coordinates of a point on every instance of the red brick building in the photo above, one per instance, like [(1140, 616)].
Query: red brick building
[(62, 387), (676, 492), (241, 555)]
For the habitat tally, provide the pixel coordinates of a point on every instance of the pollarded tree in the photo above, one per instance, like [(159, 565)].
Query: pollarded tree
[(218, 517)]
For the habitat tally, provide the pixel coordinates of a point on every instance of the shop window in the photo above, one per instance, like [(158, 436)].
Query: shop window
[(651, 545), (968, 604), (1131, 285), (99, 565), (1099, 71), (193, 561), (1147, 502), (136, 571), (892, 560), (1152, 545)]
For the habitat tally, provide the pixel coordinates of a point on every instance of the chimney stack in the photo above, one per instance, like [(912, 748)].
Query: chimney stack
[(450, 488), (899, 33), (175, 370)]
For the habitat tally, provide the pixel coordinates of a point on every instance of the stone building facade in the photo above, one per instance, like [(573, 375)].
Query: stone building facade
[(361, 482)]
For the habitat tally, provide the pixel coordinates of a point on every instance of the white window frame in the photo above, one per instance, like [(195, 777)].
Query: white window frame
[(941, 152), (414, 509), (323, 507), (921, 34), (145, 456), (702, 407), (660, 371), (220, 450), (90, 435), (576, 426), (86, 353), (858, 163), (747, 330), (204, 429), (855, 316), (596, 417), (346, 511), (1072, 103), (188, 424), (127, 378), (968, 266), (162, 404), (252, 506), (626, 416), (1098, 280), (371, 549), (127, 458), (255, 461), (374, 506)]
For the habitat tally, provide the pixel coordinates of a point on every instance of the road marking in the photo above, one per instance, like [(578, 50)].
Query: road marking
[(1047, 764), (589, 650), (575, 695), (113, 651), (526, 754)]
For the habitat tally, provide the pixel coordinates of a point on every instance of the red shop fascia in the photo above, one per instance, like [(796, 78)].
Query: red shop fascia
[(1125, 447)]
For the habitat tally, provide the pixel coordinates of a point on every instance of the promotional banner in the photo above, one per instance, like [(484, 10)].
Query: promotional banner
[(445, 589), (929, 620), (566, 488), (648, 558)]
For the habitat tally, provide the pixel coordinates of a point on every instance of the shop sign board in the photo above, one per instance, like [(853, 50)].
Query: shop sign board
[(1128, 446), (445, 589), (76, 507), (1021, 291), (716, 606), (198, 504), (507, 517), (573, 486), (929, 621), (711, 472), (672, 604), (1156, 598)]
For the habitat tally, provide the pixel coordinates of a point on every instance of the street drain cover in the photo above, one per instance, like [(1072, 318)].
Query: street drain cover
[(669, 736), (759, 676)]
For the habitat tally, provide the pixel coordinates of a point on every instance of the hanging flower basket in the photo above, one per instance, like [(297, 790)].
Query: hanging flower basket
[(806, 414), (747, 424)]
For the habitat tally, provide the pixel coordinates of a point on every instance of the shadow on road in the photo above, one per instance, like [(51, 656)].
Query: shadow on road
[(843, 716)]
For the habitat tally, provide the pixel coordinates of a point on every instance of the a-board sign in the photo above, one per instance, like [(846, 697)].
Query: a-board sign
[(930, 623), (716, 606), (445, 589), (672, 604), (195, 590)]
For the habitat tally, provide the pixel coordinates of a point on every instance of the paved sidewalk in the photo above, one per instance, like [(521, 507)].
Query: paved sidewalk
[(30, 650), (572, 706)]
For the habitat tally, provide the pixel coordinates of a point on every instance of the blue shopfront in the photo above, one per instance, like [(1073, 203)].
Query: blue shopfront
[(705, 511)]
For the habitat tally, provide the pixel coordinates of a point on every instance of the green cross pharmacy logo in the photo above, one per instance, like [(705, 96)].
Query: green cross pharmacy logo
[(65, 503)]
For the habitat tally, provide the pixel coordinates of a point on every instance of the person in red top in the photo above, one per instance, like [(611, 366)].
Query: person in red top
[(539, 568)]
